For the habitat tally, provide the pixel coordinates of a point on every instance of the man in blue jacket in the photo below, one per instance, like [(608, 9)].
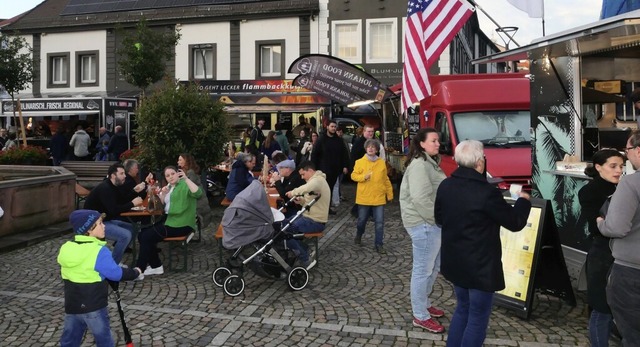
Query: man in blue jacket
[(86, 265)]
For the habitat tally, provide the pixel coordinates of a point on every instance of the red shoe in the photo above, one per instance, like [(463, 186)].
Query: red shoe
[(435, 312), (429, 325)]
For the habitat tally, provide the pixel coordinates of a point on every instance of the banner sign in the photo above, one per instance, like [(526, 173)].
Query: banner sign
[(337, 79), (57, 104), (249, 86)]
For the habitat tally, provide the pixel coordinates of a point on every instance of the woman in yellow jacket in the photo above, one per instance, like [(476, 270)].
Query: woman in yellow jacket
[(373, 192)]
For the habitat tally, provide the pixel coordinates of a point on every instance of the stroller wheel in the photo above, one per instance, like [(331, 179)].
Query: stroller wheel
[(233, 285), (298, 278), (219, 275)]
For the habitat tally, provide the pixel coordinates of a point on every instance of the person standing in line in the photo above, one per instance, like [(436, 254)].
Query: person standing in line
[(622, 224), (373, 191), (85, 266), (80, 141), (421, 179), (3, 137), (330, 156), (58, 146), (608, 165), (471, 211), (118, 144), (302, 149), (281, 138), (257, 136), (101, 147)]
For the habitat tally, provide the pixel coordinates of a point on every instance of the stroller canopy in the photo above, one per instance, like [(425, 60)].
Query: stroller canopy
[(248, 218)]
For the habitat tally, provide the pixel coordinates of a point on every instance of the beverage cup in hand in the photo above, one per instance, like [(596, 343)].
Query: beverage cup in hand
[(515, 190)]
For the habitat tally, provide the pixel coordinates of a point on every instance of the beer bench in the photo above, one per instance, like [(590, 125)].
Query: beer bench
[(179, 243), (313, 237), (91, 172)]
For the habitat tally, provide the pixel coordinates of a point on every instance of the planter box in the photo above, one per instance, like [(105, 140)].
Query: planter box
[(34, 197)]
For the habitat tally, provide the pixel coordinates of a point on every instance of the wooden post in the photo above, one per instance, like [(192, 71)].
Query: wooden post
[(22, 130)]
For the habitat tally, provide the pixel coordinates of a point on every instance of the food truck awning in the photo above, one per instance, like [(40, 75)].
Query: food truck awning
[(269, 108), (619, 33)]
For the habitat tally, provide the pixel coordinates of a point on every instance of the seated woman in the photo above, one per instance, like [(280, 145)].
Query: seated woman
[(188, 164), (179, 197), (240, 176)]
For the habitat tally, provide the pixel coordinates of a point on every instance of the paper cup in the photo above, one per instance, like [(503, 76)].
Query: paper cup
[(515, 189)]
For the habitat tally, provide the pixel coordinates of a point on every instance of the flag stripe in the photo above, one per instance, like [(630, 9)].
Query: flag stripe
[(430, 27)]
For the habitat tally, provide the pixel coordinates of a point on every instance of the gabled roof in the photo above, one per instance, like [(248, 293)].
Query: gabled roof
[(51, 14)]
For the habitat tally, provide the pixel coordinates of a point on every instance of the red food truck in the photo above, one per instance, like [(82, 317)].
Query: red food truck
[(490, 108)]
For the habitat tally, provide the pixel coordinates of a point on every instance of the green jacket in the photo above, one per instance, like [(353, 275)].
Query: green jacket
[(418, 191), (182, 206), (85, 264)]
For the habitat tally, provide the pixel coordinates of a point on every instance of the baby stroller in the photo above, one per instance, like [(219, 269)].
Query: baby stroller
[(248, 229)]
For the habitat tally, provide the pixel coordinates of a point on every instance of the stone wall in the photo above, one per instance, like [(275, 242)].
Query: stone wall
[(34, 196)]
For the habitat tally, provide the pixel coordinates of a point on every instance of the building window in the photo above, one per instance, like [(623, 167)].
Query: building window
[(87, 65), (202, 58), (382, 40), (346, 38), (58, 70), (270, 59)]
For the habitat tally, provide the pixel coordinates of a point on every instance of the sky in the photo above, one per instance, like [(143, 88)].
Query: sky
[(560, 15)]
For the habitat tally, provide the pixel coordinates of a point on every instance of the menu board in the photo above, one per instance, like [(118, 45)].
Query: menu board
[(536, 246), (518, 250)]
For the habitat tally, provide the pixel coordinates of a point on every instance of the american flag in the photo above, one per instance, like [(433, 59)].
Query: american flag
[(431, 25)]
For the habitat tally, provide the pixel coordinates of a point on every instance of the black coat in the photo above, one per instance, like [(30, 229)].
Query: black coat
[(471, 211), (599, 259), (288, 184)]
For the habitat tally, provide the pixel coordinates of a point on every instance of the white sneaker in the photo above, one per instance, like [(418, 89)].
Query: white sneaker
[(139, 278), (123, 265), (154, 271)]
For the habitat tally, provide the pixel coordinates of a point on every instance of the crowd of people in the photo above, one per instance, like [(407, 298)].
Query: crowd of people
[(454, 223)]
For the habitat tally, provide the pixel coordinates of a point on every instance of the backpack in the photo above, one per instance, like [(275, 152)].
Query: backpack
[(259, 137)]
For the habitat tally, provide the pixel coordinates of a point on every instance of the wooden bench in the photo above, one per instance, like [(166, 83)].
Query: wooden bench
[(81, 194), (313, 237), (179, 243), (89, 172)]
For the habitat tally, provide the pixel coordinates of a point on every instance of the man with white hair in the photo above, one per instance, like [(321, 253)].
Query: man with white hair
[(471, 212)]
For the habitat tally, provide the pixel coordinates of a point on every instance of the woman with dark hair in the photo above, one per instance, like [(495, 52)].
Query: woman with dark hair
[(607, 168), (179, 197), (270, 145), (188, 164), (417, 197)]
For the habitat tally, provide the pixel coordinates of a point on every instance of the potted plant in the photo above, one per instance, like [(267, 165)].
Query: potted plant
[(27, 155)]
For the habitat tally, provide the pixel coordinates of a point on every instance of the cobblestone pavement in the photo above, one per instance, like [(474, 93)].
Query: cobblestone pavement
[(355, 297)]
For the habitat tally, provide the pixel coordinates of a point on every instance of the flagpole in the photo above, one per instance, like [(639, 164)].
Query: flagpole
[(543, 34), (496, 23)]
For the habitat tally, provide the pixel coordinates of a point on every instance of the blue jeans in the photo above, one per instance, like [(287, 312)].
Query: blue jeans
[(470, 319), (301, 225), (623, 296), (120, 232), (76, 324), (378, 217), (600, 328), (426, 240)]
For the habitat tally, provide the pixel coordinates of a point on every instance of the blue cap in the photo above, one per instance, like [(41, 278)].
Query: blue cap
[(83, 220)]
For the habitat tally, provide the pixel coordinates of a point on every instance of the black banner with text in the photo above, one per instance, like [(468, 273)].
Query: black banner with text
[(337, 79)]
